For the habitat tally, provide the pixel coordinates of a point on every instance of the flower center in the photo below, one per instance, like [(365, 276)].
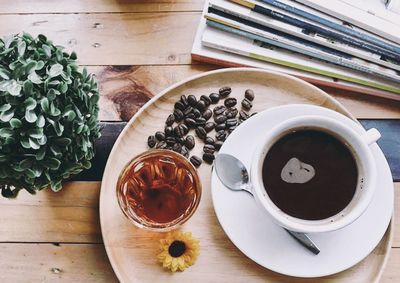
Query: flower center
[(177, 248)]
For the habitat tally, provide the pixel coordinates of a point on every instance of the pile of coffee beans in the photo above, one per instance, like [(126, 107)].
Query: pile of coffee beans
[(195, 114)]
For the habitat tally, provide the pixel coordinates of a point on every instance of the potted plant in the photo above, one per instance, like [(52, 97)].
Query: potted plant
[(48, 115)]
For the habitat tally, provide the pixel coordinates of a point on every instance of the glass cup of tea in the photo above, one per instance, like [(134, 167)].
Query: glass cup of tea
[(159, 190)]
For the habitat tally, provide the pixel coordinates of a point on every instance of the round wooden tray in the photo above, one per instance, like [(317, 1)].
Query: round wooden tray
[(132, 251)]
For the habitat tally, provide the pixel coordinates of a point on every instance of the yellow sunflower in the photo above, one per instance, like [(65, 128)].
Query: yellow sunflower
[(178, 251)]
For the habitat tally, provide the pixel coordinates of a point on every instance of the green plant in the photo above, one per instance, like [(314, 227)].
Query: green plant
[(48, 115)]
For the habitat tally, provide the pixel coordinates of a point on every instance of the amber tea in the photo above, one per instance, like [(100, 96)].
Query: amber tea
[(158, 189)]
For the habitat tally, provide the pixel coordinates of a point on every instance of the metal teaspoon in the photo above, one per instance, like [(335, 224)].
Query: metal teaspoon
[(233, 174)]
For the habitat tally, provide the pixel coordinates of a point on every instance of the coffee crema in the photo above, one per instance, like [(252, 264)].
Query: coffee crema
[(310, 174)]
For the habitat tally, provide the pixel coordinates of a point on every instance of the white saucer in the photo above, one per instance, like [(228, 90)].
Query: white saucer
[(258, 237)]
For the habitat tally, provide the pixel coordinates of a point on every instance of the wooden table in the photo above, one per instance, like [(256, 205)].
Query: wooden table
[(136, 49)]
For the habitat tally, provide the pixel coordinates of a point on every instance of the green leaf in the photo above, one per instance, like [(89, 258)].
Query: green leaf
[(25, 143), (41, 153), (8, 40), (4, 74), (46, 50), (15, 123), (26, 163), (7, 115), (55, 150), (3, 157), (40, 121), (63, 87), (30, 67), (55, 70), (30, 116), (52, 94), (5, 107), (56, 187), (6, 132), (34, 78), (73, 56), (63, 142), (11, 86), (54, 111), (30, 103), (35, 133), (44, 103), (51, 163), (21, 48), (39, 65), (69, 115), (94, 99), (34, 143), (42, 140), (28, 87)]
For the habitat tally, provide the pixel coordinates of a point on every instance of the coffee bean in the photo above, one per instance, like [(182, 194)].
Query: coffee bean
[(161, 145), (218, 145), (220, 119), (151, 141), (231, 122), (231, 128), (246, 104), (191, 115), (179, 105), (243, 115), (187, 110), (189, 142), (195, 160), (169, 131), (170, 141), (185, 151), (181, 130), (196, 113), (200, 121), (208, 148), (206, 99), (249, 94), (178, 115), (209, 140), (170, 120), (219, 110), (225, 91), (160, 136), (192, 100), (177, 147), (201, 105), (231, 112), (209, 126), (201, 133), (179, 140), (214, 97), (220, 127), (191, 123), (184, 100), (230, 102), (207, 114), (208, 157), (220, 135)]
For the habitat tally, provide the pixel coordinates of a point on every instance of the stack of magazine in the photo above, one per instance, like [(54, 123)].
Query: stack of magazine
[(290, 37)]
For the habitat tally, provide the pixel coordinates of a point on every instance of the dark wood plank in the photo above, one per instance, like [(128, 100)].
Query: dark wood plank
[(390, 144)]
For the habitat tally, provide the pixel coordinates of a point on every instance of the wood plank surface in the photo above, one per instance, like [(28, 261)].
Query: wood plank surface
[(55, 263), (89, 263), (114, 39), (97, 6)]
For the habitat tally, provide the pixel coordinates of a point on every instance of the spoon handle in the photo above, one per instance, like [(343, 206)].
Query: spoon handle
[(304, 240)]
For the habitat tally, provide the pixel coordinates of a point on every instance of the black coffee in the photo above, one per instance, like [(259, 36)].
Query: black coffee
[(310, 174)]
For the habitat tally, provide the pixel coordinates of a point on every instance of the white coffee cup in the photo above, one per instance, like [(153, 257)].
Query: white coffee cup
[(359, 144)]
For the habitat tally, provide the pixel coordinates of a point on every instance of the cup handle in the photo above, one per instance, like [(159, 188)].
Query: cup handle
[(371, 136)]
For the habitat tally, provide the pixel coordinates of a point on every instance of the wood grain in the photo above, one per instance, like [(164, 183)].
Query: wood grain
[(54, 263), (70, 215), (124, 89), (97, 6), (114, 39), (132, 250)]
